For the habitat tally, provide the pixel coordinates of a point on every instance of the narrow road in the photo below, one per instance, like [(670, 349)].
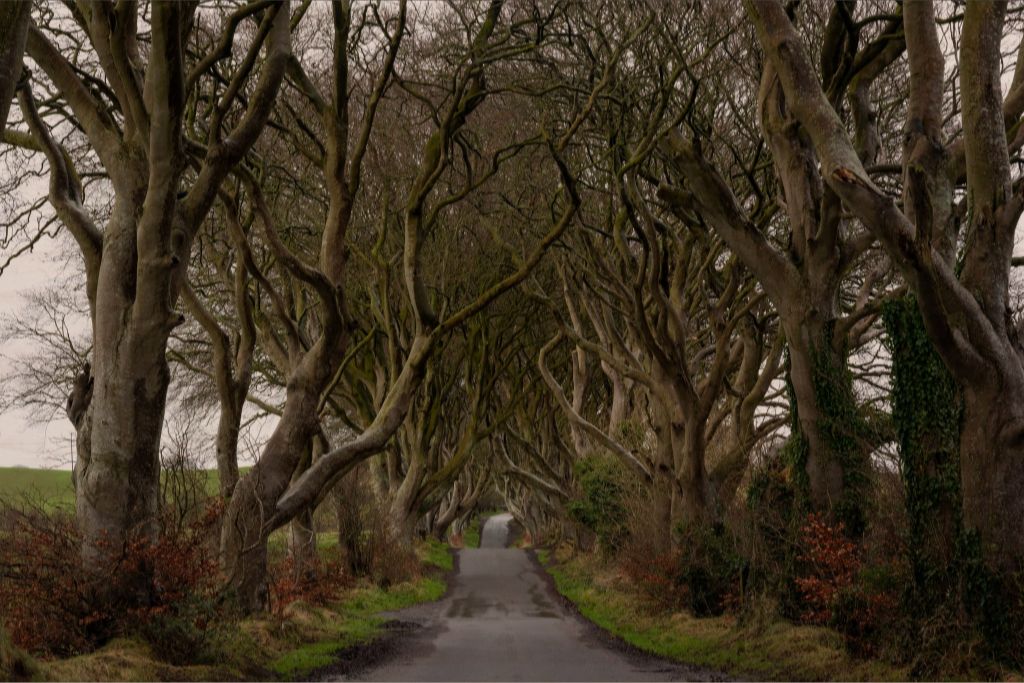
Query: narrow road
[(501, 621)]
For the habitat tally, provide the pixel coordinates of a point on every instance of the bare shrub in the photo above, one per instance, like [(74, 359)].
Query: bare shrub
[(54, 606), (365, 534)]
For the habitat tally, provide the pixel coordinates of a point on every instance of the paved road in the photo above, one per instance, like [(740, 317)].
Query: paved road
[(502, 622)]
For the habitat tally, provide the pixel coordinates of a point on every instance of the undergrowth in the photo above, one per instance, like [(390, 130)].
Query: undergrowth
[(761, 646)]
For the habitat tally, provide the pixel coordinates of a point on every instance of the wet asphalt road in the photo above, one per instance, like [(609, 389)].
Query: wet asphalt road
[(501, 621)]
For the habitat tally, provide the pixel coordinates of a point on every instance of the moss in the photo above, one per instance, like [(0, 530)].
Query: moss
[(773, 650)]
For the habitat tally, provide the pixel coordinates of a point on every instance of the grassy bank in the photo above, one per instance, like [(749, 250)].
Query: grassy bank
[(290, 646), (771, 650)]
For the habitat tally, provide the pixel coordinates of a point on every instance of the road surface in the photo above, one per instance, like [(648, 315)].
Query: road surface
[(501, 621)]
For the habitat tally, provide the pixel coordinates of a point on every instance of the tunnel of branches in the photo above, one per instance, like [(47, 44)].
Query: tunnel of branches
[(647, 275)]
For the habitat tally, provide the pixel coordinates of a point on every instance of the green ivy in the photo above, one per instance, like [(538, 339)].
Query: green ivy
[(843, 429), (599, 504), (951, 581), (926, 411)]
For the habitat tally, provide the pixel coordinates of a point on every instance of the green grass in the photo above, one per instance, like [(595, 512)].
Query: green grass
[(437, 554), (50, 487), (774, 649), (471, 537), (358, 622), (53, 488)]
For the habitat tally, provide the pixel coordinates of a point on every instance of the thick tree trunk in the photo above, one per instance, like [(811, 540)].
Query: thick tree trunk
[(991, 453), (243, 538), (835, 463), (444, 518), (403, 513), (118, 478), (926, 412), (697, 504), (824, 471)]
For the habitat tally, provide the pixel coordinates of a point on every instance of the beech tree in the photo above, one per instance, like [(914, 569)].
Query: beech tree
[(804, 276), (268, 496), (963, 298), (132, 110)]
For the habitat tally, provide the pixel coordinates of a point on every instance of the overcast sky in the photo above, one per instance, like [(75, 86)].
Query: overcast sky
[(23, 442)]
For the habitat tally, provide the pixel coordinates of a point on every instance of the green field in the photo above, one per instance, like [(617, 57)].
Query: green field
[(50, 486), (53, 487)]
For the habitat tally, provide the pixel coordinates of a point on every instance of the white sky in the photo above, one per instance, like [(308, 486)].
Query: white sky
[(23, 442)]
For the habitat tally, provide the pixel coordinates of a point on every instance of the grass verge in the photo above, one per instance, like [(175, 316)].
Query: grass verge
[(769, 650), (355, 621), (289, 646), (471, 536)]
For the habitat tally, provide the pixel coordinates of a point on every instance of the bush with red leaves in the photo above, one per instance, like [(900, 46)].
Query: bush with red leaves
[(831, 562), (319, 584), (657, 577), (53, 605), (702, 574), (838, 590)]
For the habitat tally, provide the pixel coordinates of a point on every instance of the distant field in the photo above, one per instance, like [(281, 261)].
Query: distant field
[(52, 486)]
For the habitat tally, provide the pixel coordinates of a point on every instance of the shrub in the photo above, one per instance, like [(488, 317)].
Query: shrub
[(840, 591), (45, 593), (702, 575), (711, 567), (366, 537), (321, 586), (831, 564), (55, 606), (15, 664), (598, 505), (657, 577)]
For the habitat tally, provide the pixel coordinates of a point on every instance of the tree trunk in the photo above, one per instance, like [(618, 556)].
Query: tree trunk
[(991, 453), (118, 479), (243, 538), (697, 503), (444, 519), (824, 472), (302, 545), (302, 531), (228, 427), (620, 407), (835, 464), (926, 409), (402, 516), (580, 442), (14, 21)]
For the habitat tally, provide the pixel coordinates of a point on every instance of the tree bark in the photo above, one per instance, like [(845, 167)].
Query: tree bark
[(14, 20), (965, 314), (807, 343), (243, 539), (992, 477)]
